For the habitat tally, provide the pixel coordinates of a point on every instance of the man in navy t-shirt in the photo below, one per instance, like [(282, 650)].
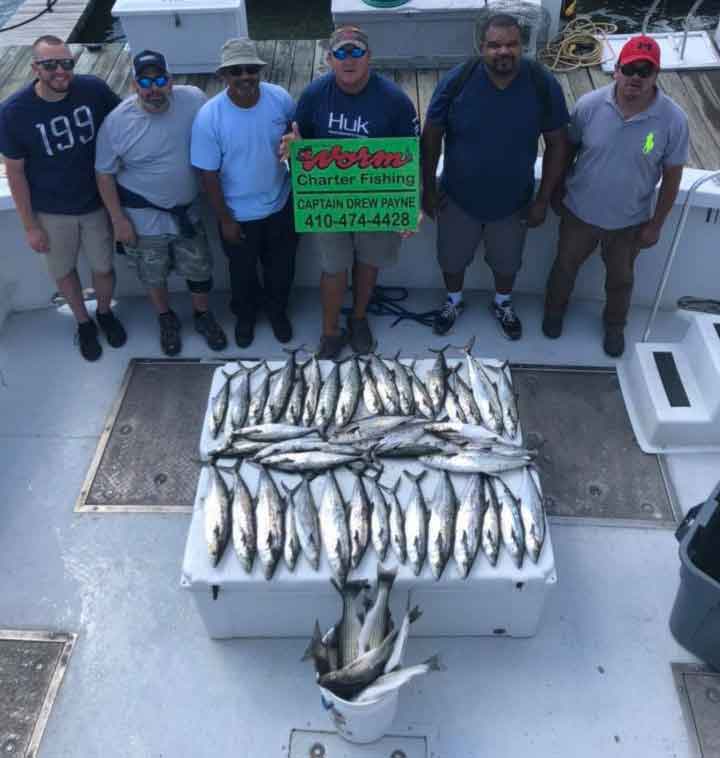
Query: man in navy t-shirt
[(491, 123), (352, 101), (47, 135)]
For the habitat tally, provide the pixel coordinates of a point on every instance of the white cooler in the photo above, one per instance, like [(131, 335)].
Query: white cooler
[(189, 33), (499, 600)]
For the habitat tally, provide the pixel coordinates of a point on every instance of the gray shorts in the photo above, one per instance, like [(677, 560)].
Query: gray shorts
[(338, 251), (459, 235), (154, 257)]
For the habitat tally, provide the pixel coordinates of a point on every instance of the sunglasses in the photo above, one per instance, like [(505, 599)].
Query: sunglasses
[(353, 52), (51, 64), (643, 70), (240, 70), (145, 82)]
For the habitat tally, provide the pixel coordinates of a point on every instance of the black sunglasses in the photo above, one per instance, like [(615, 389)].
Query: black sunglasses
[(51, 64), (643, 70), (240, 70)]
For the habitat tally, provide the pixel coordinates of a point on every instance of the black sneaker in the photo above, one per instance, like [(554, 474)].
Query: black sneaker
[(361, 339), (111, 327), (206, 325), (447, 316), (507, 319), (244, 333), (87, 340), (552, 324), (170, 340), (281, 326), (614, 342), (331, 346)]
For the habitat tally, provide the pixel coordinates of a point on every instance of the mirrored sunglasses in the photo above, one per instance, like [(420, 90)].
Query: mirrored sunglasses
[(145, 82), (353, 52), (643, 70), (51, 64)]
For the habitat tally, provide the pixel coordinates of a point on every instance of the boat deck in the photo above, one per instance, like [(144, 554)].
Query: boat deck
[(596, 677), (295, 63)]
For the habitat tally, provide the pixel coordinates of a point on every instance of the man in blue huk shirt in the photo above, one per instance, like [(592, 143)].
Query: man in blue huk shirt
[(47, 135), (491, 112)]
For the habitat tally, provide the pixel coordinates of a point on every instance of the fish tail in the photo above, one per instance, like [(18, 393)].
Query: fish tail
[(315, 640), (414, 613), (440, 350), (386, 576), (434, 663), (415, 478)]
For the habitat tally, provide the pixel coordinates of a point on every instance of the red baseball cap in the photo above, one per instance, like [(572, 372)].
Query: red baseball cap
[(640, 48)]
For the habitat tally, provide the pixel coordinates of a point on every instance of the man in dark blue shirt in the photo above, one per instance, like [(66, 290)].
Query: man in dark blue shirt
[(47, 135), (352, 101), (491, 116)]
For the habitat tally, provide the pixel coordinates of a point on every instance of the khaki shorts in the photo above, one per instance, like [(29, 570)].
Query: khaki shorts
[(338, 251), (154, 257), (459, 235), (90, 233)]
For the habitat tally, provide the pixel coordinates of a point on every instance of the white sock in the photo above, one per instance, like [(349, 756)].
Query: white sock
[(455, 297), (505, 297)]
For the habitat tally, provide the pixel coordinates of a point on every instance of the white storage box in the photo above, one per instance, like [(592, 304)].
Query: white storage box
[(502, 600), (189, 33)]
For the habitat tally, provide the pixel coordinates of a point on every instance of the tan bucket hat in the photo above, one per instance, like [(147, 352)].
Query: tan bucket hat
[(240, 51)]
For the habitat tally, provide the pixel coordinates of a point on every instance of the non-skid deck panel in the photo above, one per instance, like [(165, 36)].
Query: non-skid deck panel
[(590, 464), (670, 378), (32, 665), (148, 457), (698, 688)]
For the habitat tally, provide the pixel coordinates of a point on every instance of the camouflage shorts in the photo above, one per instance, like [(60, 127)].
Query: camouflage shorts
[(154, 257)]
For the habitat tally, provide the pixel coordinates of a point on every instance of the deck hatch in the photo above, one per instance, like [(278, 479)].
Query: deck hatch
[(670, 378), (32, 666), (698, 688), (590, 464)]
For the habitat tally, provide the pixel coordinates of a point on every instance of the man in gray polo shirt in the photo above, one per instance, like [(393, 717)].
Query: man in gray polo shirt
[(626, 137)]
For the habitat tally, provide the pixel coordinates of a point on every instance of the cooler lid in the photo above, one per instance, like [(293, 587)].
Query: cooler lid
[(427, 7), (166, 7)]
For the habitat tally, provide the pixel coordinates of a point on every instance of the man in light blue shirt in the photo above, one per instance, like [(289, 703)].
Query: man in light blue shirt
[(235, 145)]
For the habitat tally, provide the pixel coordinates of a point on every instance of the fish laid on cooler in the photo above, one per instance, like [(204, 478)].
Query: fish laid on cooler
[(216, 515), (386, 387), (274, 432), (334, 529), (490, 536), (358, 522), (370, 395), (270, 520), (508, 402), (313, 381), (244, 533), (455, 430), (219, 404), (511, 525), (314, 460), (474, 462), (376, 625), (280, 392), (423, 403), (307, 523), (236, 448), (349, 396), (466, 398), (239, 398), (293, 445), (369, 428), (258, 400), (351, 621), (484, 393), (291, 547), (396, 522), (532, 514), (468, 524), (296, 401), (452, 406), (379, 519), (393, 681), (436, 380), (441, 526), (327, 400), (406, 399), (416, 524)]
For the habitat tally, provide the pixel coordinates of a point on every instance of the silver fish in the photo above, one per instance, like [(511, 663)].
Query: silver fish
[(270, 521), (314, 460), (396, 679), (219, 404), (396, 658), (385, 382), (377, 620), (244, 533), (327, 401), (466, 399), (456, 430), (239, 399), (441, 527), (295, 403), (474, 462), (414, 447), (436, 380), (350, 623), (349, 395), (403, 383), (484, 392), (396, 522), (280, 392), (423, 402), (334, 529), (371, 397), (468, 525), (258, 400), (416, 524), (313, 381), (511, 525), (306, 521), (490, 538), (358, 522), (293, 445), (291, 547), (453, 407), (317, 651), (379, 523), (216, 515), (371, 427), (274, 432), (532, 514), (508, 402), (235, 449)]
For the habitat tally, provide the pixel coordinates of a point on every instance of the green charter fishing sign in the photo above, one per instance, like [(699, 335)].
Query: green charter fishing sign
[(356, 185)]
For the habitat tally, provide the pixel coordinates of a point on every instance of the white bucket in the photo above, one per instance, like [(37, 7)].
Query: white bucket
[(360, 722)]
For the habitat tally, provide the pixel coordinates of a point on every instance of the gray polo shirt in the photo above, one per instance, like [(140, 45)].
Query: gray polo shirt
[(149, 153), (619, 162)]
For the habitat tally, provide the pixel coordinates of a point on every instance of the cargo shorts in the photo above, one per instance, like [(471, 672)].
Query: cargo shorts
[(154, 257), (69, 235), (338, 251), (459, 235)]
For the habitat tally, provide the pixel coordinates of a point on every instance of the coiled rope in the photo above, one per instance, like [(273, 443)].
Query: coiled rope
[(47, 9), (579, 45), (386, 301)]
